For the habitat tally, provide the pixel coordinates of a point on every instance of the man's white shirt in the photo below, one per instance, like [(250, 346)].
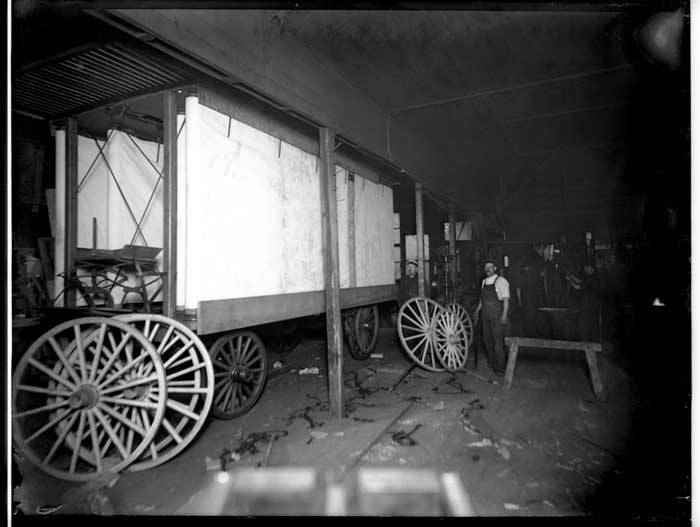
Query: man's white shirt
[(502, 285)]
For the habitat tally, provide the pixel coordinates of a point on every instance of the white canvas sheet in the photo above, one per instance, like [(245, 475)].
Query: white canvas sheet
[(254, 214)]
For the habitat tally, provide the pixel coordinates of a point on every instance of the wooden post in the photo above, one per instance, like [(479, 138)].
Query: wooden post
[(352, 265), (169, 203), (329, 217), (71, 206), (419, 239), (453, 251)]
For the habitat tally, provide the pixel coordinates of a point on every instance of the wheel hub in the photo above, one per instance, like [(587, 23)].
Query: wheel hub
[(86, 396), (240, 374)]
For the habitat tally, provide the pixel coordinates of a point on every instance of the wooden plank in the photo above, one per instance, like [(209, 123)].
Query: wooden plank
[(228, 314), (169, 203), (331, 272), (512, 358), (71, 205), (419, 239), (531, 342)]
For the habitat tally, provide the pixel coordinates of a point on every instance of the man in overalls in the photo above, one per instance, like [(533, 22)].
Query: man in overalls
[(495, 297)]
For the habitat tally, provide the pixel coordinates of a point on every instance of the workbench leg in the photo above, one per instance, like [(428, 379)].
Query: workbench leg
[(510, 368), (592, 361)]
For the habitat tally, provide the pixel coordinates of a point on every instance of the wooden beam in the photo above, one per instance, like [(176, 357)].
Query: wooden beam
[(213, 316), (419, 239), (453, 250), (331, 273), (71, 207), (169, 203)]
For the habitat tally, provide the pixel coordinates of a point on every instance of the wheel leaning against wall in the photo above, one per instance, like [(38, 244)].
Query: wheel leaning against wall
[(240, 371), (451, 342), (190, 385), (464, 317), (81, 379), (416, 325)]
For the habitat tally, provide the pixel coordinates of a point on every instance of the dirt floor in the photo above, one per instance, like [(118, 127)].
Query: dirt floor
[(546, 447)]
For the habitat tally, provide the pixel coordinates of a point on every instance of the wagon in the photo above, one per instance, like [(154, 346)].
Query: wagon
[(236, 201)]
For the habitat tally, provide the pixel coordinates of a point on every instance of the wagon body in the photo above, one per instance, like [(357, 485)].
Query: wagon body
[(249, 226)]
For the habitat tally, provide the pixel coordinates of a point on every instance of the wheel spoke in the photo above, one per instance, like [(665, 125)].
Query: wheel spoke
[(95, 444), (44, 408), (37, 389), (49, 425), (78, 441), (129, 402), (130, 384), (420, 343), (185, 371), (60, 438), (179, 407), (221, 365), (51, 374), (418, 325), (97, 352), (418, 313), (187, 390), (115, 353), (172, 431), (59, 353), (124, 369), (81, 352), (232, 403), (179, 352), (122, 419), (225, 393), (110, 431), (220, 393)]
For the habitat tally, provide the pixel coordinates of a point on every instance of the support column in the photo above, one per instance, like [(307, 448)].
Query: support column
[(169, 203), (329, 217), (352, 264), (71, 206), (453, 251), (59, 233), (419, 239)]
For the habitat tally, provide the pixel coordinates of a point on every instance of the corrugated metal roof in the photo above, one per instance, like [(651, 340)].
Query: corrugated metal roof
[(91, 77)]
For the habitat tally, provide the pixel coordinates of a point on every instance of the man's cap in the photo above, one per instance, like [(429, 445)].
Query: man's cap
[(412, 262), (488, 261)]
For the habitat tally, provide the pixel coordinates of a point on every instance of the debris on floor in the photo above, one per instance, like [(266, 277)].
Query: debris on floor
[(438, 406), (277, 365), (318, 435), (144, 508), (309, 371), (48, 509), (377, 356), (404, 438), (511, 506)]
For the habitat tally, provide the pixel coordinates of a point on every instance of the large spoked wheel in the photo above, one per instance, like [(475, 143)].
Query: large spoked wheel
[(240, 370), (81, 379), (365, 328), (451, 342), (190, 379), (416, 327), (464, 318)]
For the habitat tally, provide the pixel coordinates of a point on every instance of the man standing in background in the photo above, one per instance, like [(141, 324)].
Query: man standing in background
[(494, 302)]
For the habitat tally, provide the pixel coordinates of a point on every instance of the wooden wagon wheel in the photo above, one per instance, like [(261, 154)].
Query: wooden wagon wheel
[(240, 370), (87, 388), (451, 342), (464, 318), (190, 380), (365, 329), (416, 328)]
